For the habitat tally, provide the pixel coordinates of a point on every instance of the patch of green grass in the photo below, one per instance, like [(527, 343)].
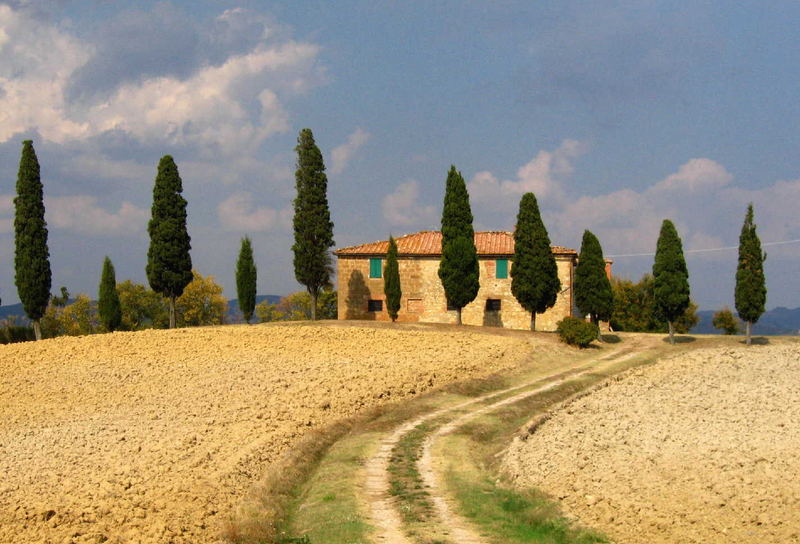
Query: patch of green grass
[(405, 482)]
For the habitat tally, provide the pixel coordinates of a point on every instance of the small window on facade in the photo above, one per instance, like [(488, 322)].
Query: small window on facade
[(501, 269), (375, 268), (492, 304), (375, 306)]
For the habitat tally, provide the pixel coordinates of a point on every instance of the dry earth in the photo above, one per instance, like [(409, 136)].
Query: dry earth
[(156, 436), (703, 447)]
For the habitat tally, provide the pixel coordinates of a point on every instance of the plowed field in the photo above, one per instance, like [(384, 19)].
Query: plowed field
[(156, 436), (700, 448)]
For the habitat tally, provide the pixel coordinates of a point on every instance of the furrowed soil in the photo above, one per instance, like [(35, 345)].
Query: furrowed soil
[(702, 447), (156, 436)]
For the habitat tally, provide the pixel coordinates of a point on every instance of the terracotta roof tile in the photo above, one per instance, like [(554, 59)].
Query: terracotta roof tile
[(429, 242)]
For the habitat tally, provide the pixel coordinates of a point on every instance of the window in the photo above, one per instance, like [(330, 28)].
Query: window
[(501, 269), (375, 268), (493, 304), (415, 306), (375, 306)]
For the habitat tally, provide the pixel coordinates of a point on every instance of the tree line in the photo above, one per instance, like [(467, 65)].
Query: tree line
[(534, 273)]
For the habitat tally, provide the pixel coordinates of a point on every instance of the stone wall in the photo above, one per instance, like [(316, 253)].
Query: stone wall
[(423, 296)]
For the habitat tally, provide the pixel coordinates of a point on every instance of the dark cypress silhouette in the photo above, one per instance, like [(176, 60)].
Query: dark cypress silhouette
[(31, 257), (458, 267), (169, 264), (108, 305), (246, 276), (391, 281), (593, 294), (313, 228), (534, 273), (670, 277), (751, 287)]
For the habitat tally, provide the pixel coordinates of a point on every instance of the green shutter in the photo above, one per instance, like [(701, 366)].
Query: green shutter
[(501, 268), (375, 268)]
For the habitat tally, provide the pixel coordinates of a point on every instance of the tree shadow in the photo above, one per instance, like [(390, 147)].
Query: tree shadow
[(357, 297), (756, 341), (610, 338), (681, 339)]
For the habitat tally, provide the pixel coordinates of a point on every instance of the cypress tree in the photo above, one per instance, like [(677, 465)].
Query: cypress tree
[(751, 288), (593, 294), (246, 279), (670, 277), (534, 273), (108, 305), (31, 257), (169, 265), (391, 281), (313, 228), (458, 267)]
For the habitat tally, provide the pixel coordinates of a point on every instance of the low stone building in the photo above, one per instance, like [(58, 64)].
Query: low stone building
[(360, 277)]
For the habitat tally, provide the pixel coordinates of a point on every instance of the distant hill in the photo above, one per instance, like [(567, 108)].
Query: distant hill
[(777, 321), (234, 315)]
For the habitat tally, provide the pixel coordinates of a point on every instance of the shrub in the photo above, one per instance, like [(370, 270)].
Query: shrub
[(577, 332), (11, 333)]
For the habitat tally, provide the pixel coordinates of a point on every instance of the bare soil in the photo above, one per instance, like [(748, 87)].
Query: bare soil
[(156, 436), (702, 447)]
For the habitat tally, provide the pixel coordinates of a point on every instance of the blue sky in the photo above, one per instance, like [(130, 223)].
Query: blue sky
[(616, 114)]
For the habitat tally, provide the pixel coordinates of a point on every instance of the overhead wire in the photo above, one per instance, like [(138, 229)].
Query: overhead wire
[(707, 250)]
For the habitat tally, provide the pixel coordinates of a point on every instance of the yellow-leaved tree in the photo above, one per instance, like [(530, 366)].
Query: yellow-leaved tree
[(201, 303)]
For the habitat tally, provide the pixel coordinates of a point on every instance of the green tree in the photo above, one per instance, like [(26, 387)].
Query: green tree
[(76, 319), (31, 257), (169, 265), (313, 228), (297, 307), (62, 300), (246, 279), (751, 286), (458, 267), (201, 302), (593, 294), (725, 321), (534, 273), (142, 308), (391, 281), (635, 308), (670, 277), (108, 300)]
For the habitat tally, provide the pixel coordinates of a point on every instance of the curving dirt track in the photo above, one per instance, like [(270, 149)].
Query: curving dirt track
[(702, 447), (155, 436)]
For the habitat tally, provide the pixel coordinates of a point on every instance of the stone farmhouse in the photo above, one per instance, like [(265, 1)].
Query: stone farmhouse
[(360, 273)]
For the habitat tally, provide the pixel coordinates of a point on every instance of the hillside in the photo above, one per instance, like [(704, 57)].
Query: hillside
[(777, 321), (156, 436)]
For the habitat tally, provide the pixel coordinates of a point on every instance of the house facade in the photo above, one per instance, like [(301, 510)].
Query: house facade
[(360, 277)]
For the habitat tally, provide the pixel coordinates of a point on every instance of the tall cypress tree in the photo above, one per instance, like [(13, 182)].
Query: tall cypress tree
[(31, 257), (751, 287), (458, 267), (670, 277), (169, 265), (108, 305), (534, 273), (593, 294), (391, 281), (313, 228), (246, 279)]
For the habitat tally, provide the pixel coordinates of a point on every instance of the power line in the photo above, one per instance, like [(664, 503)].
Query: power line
[(708, 250)]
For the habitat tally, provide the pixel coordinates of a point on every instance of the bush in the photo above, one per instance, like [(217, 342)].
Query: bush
[(11, 333), (577, 332)]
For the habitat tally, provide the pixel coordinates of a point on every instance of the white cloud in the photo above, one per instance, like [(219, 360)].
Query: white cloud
[(341, 155), (402, 208), (230, 106), (237, 213), (543, 176), (82, 214), (694, 176)]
